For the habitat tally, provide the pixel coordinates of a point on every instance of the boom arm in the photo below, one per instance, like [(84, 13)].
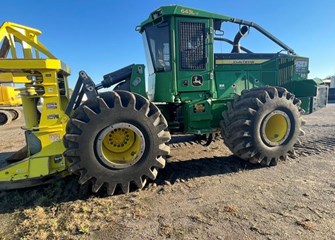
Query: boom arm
[(264, 32)]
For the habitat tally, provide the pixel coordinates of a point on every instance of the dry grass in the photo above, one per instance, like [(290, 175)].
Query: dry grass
[(72, 220), (64, 211)]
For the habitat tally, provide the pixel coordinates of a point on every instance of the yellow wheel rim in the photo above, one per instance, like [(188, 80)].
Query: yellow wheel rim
[(120, 145), (119, 140), (276, 128)]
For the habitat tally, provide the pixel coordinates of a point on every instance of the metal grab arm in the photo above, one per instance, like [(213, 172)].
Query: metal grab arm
[(84, 85)]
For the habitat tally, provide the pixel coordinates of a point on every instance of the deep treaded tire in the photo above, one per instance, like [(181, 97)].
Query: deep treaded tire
[(262, 125), (116, 141)]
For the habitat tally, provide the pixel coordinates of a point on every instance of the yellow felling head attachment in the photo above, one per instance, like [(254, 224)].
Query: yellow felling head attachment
[(14, 63), (25, 60), (11, 33)]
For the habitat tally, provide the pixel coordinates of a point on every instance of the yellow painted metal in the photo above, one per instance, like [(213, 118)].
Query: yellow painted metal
[(121, 146), (44, 163), (17, 170), (9, 96), (44, 97), (119, 140), (6, 77), (30, 113), (276, 128), (27, 37), (19, 65)]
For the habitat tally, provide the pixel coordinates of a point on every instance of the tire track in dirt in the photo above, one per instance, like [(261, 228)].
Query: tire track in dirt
[(316, 146), (204, 193)]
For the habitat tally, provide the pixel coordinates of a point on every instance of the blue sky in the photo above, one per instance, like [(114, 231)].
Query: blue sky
[(99, 36)]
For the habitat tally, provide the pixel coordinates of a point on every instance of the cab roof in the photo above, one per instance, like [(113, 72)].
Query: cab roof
[(177, 10)]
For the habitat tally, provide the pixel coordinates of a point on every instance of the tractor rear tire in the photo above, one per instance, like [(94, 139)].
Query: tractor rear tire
[(117, 141), (262, 125)]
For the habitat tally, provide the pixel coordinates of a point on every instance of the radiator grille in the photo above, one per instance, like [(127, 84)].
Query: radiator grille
[(286, 69), (192, 46)]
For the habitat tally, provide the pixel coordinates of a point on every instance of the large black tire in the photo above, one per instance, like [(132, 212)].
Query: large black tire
[(5, 117), (16, 113), (117, 141), (262, 125)]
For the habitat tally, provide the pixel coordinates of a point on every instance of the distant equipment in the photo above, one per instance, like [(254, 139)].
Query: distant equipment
[(10, 99), (332, 82), (332, 89)]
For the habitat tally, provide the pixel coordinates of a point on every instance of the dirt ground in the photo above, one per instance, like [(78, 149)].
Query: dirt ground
[(203, 193)]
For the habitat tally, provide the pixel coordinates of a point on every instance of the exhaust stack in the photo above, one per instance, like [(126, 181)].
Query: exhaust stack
[(243, 31)]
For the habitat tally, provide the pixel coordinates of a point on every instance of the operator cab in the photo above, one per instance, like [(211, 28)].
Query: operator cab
[(177, 49)]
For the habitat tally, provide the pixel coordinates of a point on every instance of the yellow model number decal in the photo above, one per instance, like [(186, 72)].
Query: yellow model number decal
[(241, 61), (188, 11)]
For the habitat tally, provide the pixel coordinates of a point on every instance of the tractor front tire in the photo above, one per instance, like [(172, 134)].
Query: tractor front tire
[(262, 125), (116, 141)]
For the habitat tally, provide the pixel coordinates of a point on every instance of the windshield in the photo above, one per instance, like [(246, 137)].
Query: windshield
[(157, 44)]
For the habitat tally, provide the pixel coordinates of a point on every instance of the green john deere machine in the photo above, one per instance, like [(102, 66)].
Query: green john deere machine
[(117, 139)]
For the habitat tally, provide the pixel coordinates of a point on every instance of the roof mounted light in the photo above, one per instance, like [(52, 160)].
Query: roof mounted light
[(156, 14)]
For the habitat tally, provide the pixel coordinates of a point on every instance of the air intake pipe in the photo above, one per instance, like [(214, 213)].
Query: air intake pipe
[(243, 31)]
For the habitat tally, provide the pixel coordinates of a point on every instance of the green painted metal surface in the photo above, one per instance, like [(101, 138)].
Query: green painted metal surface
[(196, 83), (137, 80), (181, 11)]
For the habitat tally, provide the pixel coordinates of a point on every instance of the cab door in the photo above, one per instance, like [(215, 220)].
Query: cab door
[(194, 72)]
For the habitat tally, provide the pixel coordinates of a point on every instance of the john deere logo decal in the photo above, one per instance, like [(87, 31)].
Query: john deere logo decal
[(197, 81)]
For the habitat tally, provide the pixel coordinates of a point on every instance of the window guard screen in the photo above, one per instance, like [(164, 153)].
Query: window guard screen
[(192, 54)]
